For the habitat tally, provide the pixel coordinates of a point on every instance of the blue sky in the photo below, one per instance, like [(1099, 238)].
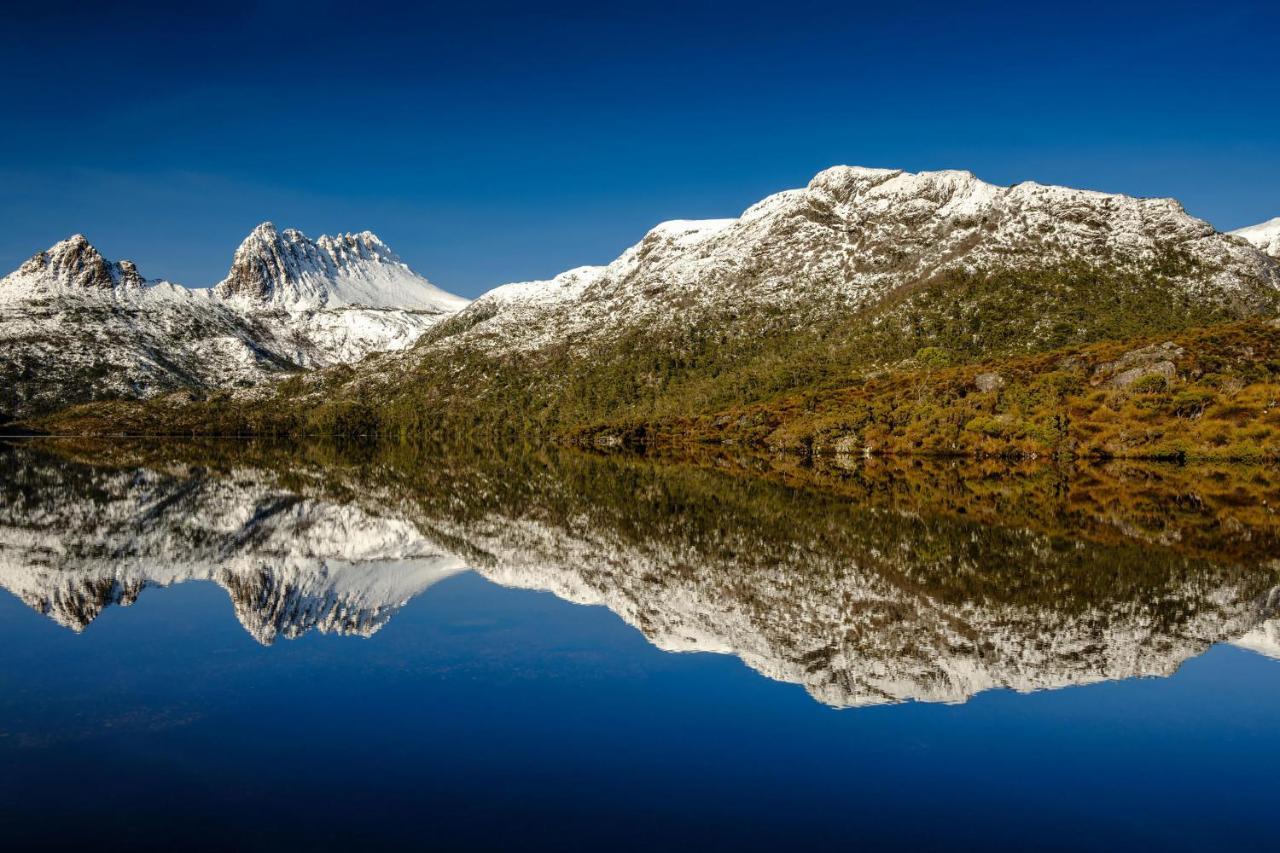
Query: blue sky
[(502, 142)]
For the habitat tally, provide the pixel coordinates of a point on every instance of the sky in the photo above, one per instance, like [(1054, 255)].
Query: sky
[(491, 142)]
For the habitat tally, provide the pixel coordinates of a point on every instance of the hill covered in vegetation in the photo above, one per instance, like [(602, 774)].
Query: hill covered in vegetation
[(862, 276)]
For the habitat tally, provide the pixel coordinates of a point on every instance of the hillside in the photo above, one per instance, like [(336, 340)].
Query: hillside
[(1204, 393), (862, 271)]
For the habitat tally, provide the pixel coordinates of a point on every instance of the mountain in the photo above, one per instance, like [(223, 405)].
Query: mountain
[(1265, 236), (854, 236), (863, 271), (335, 299), (71, 267), (75, 326), (288, 271)]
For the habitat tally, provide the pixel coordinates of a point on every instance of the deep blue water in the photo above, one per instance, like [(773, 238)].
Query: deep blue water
[(487, 717)]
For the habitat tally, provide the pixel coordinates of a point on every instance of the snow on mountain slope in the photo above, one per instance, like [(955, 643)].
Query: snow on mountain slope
[(335, 299), (1265, 236), (75, 326), (71, 266), (854, 235)]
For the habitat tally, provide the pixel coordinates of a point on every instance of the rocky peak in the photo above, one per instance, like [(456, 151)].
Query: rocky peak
[(74, 263), (346, 249), (267, 261), (289, 271)]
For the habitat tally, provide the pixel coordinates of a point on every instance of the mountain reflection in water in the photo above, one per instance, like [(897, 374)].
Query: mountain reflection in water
[(877, 583)]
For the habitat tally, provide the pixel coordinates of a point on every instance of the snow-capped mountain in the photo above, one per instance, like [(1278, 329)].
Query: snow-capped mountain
[(1265, 235), (75, 326), (854, 235), (335, 299), (73, 267), (287, 270)]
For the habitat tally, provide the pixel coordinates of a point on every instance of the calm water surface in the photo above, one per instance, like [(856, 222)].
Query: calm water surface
[(255, 648)]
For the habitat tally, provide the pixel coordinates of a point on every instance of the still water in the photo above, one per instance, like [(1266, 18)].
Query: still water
[(252, 647)]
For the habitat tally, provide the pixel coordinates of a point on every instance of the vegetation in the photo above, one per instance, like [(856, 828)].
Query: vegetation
[(1206, 393), (895, 376), (1065, 539)]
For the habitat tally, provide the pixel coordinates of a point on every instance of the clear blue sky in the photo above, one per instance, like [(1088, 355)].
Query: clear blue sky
[(490, 143)]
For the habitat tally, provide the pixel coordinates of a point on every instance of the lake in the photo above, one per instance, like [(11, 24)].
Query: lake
[(254, 646)]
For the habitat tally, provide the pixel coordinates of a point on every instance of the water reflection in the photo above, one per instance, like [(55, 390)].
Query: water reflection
[(867, 585)]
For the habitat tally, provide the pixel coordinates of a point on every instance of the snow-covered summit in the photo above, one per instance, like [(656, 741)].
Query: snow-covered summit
[(75, 326), (854, 235), (287, 270), (72, 265), (1265, 235)]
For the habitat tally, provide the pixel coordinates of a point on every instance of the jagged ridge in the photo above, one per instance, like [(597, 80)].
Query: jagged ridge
[(288, 270), (75, 326)]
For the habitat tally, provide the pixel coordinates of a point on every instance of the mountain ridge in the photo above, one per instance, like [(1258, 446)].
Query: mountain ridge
[(286, 269), (862, 270), (76, 326), (852, 232)]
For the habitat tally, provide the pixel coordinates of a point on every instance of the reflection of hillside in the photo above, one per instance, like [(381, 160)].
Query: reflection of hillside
[(76, 538), (872, 586), (1220, 510), (859, 601)]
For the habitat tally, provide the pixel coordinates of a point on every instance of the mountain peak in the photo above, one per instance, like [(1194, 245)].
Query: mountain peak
[(290, 271), (75, 264)]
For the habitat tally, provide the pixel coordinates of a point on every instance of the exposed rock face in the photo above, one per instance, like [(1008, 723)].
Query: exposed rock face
[(1153, 360), (854, 235), (73, 265), (76, 327), (988, 382), (289, 271), (1265, 236), (266, 261)]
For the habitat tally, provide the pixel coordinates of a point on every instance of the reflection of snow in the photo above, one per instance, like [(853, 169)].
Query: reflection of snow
[(1264, 639), (290, 564), (858, 624)]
